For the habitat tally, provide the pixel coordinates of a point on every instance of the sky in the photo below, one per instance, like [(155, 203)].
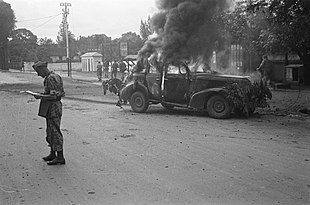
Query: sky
[(86, 17)]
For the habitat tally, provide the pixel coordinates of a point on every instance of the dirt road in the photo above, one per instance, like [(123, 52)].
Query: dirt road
[(115, 156)]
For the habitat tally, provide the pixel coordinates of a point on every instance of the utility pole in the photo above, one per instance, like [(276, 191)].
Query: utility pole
[(65, 24)]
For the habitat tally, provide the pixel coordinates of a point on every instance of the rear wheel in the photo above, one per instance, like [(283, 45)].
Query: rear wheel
[(139, 102), (104, 86), (218, 107)]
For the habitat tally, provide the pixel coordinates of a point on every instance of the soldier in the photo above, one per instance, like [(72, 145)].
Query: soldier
[(122, 69), (99, 71), (265, 69), (51, 109), (114, 69), (106, 69)]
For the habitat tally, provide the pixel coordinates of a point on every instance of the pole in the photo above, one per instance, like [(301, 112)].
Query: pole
[(66, 26)]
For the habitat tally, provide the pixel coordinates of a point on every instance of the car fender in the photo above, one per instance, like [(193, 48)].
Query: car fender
[(198, 100), (130, 88)]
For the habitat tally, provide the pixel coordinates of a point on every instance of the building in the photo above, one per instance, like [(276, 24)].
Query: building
[(57, 54), (60, 55), (90, 61)]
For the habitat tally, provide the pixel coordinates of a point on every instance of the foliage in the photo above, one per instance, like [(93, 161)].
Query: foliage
[(93, 42), (7, 24), (244, 27), (288, 28), (246, 97), (22, 45), (134, 41), (146, 29), (45, 45), (61, 38), (271, 26), (25, 47), (288, 20), (45, 41), (7, 20)]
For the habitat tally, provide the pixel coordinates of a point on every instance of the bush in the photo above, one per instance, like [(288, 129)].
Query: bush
[(246, 98)]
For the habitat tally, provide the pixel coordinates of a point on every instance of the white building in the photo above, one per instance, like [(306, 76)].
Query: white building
[(90, 61)]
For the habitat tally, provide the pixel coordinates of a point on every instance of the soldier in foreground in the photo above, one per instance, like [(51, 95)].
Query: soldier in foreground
[(51, 109)]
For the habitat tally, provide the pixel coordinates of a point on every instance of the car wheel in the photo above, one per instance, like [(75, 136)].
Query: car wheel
[(167, 106), (139, 102), (104, 86), (218, 107)]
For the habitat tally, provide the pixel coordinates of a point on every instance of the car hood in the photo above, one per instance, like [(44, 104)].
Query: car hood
[(220, 75)]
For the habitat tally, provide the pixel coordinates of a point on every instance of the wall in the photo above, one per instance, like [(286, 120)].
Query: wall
[(76, 66)]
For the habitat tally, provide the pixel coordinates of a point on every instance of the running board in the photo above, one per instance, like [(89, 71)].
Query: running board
[(174, 104)]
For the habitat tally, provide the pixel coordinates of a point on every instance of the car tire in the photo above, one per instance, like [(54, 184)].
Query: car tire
[(139, 102), (218, 107), (167, 106)]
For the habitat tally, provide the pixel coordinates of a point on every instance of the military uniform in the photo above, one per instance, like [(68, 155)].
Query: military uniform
[(51, 109), (266, 69), (53, 85)]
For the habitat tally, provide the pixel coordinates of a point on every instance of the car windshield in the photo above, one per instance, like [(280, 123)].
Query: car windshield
[(172, 69)]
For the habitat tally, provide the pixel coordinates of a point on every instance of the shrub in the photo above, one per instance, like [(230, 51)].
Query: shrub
[(246, 98)]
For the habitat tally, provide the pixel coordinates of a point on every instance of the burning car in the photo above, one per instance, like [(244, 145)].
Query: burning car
[(175, 85)]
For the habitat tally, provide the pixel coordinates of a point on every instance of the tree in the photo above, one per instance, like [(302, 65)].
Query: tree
[(45, 41), (134, 42), (146, 29), (96, 42), (7, 24), (288, 28), (23, 45), (245, 28), (45, 45), (61, 39)]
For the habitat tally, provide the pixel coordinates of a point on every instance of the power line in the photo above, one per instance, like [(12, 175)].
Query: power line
[(36, 19), (46, 22)]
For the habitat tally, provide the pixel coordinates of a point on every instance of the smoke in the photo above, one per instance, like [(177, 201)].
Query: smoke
[(185, 29)]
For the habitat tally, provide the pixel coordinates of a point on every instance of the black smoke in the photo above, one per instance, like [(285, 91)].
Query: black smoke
[(185, 29)]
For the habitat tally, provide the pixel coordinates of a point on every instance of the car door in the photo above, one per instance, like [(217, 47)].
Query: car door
[(153, 79), (176, 84)]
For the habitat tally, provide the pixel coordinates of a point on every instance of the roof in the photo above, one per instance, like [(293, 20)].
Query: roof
[(294, 66), (56, 51), (131, 57), (91, 54)]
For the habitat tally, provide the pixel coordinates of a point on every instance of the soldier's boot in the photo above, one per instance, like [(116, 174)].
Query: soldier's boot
[(58, 160), (50, 157)]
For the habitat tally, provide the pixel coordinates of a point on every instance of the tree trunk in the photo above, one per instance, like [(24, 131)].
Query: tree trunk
[(306, 61), (4, 55)]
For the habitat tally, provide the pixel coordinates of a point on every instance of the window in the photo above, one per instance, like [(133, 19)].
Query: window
[(172, 69), (236, 56)]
